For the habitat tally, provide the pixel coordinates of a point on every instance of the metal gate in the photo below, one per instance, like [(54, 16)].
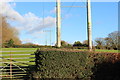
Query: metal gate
[(15, 64)]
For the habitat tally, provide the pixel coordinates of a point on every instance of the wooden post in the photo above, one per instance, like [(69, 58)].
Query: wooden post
[(89, 25), (58, 23), (10, 65)]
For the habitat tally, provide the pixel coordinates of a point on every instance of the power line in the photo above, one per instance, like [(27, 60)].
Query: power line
[(46, 31), (70, 7), (43, 14), (67, 13)]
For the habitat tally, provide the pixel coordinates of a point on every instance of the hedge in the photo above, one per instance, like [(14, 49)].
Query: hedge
[(71, 64)]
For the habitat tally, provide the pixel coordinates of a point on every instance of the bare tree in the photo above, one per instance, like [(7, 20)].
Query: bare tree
[(107, 43), (100, 43), (85, 43), (8, 32), (113, 39), (110, 42)]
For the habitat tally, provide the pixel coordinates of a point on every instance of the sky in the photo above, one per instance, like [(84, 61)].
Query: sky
[(27, 17)]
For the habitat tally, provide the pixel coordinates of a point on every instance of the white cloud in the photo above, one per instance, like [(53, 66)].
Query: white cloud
[(53, 11), (28, 22), (9, 12), (6, 0), (30, 40), (14, 4), (27, 40), (37, 35), (48, 22)]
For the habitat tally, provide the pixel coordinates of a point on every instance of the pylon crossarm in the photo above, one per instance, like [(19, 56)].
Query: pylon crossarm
[(75, 6)]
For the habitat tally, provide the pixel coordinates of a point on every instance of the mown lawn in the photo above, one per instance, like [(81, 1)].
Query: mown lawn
[(112, 51), (23, 57), (101, 50), (34, 49), (17, 49)]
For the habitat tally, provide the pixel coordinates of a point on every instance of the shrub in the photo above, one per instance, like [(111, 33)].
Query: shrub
[(106, 66), (61, 64), (73, 64)]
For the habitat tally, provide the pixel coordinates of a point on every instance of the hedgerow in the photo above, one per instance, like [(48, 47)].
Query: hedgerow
[(61, 64)]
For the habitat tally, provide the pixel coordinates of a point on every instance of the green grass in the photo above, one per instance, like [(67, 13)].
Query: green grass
[(17, 49), (112, 51), (32, 52), (21, 49), (19, 64), (101, 50), (7, 55)]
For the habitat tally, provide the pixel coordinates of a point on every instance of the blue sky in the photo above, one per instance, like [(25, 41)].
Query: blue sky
[(74, 27)]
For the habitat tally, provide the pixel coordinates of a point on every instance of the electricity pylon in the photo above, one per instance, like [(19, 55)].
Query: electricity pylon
[(58, 23), (89, 25)]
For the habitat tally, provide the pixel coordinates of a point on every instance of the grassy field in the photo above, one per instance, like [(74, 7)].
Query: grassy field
[(17, 49), (20, 58), (112, 51), (34, 49), (25, 56), (22, 55), (100, 50)]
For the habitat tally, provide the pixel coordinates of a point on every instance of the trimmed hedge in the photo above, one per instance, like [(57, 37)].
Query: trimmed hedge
[(81, 65)]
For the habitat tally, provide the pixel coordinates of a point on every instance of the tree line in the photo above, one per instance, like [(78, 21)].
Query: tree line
[(9, 38), (111, 42)]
